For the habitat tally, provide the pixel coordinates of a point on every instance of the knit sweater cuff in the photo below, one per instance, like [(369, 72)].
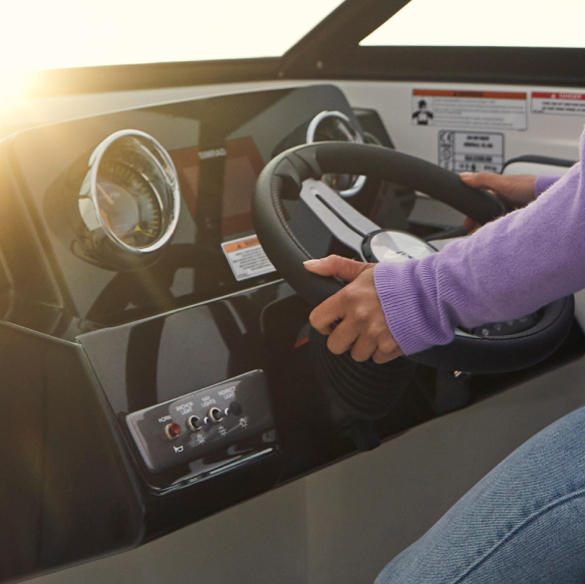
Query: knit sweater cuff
[(408, 295)]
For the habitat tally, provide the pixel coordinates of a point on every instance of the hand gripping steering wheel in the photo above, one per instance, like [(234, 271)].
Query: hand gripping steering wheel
[(296, 172)]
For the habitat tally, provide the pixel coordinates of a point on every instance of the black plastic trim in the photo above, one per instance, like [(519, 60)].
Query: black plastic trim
[(511, 65), (515, 66), (341, 30), (538, 159)]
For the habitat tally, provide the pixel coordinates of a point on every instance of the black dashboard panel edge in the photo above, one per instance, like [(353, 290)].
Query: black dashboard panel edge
[(68, 493)]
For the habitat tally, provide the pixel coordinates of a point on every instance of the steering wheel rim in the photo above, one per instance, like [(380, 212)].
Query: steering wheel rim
[(285, 176)]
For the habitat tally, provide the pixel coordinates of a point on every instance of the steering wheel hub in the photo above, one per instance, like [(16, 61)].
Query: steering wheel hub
[(395, 246)]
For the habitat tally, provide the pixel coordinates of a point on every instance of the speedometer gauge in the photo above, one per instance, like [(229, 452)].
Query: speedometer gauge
[(129, 200), (128, 205)]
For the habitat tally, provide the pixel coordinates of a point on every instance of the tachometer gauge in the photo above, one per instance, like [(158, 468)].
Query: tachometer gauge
[(334, 125), (129, 200)]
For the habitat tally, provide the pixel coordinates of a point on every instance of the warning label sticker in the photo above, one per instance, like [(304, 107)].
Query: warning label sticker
[(247, 258), (485, 110), (571, 104), (471, 151)]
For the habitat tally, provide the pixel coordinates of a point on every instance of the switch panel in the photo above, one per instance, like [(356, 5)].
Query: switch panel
[(206, 421)]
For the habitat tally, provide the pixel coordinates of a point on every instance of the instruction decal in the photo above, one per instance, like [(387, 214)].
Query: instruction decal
[(247, 258), (482, 110), (471, 151), (569, 104)]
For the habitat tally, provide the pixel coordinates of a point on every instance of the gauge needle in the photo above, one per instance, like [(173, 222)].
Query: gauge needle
[(105, 193), (140, 230)]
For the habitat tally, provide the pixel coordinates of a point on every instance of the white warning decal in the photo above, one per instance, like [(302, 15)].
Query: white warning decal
[(247, 258), (571, 104), (471, 151), (482, 110)]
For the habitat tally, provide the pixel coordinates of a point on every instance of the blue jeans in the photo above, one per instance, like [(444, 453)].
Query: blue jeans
[(522, 523)]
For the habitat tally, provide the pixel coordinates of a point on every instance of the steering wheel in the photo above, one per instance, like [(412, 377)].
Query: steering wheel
[(295, 173)]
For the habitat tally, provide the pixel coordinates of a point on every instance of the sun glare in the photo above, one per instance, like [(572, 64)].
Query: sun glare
[(37, 34)]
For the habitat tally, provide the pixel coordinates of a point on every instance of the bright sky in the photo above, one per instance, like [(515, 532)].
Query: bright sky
[(40, 34), (496, 23)]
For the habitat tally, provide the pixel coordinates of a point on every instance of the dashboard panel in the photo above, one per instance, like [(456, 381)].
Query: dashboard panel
[(159, 390), (218, 146)]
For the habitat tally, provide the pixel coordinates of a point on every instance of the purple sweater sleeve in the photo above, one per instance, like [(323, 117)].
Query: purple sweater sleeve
[(507, 269), (544, 182)]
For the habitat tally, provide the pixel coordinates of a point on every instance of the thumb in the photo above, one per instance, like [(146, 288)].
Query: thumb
[(337, 266)]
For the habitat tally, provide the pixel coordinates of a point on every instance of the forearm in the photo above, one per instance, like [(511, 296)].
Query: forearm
[(508, 268)]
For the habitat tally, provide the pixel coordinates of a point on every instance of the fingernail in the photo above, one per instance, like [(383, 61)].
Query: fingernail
[(466, 174), (310, 262)]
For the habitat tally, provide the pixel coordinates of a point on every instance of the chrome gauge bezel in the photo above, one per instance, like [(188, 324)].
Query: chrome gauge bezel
[(127, 147), (352, 134)]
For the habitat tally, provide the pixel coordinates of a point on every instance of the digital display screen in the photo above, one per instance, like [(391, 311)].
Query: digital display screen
[(234, 168)]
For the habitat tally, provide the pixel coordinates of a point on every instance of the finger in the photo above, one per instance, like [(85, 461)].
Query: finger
[(387, 350), (342, 338), (337, 266), (363, 348), (379, 356), (482, 180), (327, 315), (328, 328)]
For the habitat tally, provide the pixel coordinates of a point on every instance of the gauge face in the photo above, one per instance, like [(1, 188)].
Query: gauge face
[(128, 204), (334, 128), (129, 201), (339, 182)]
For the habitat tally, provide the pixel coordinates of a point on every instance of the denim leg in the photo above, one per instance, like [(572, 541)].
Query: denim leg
[(524, 522)]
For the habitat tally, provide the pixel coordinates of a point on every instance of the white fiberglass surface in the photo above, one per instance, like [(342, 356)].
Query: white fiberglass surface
[(497, 23)]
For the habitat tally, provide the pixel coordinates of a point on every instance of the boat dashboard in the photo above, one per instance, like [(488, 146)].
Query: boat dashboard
[(156, 367)]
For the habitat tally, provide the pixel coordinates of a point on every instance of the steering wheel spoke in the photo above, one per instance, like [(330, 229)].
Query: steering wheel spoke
[(346, 224)]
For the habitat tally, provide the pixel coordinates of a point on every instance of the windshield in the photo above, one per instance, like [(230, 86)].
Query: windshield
[(37, 34), (497, 23)]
